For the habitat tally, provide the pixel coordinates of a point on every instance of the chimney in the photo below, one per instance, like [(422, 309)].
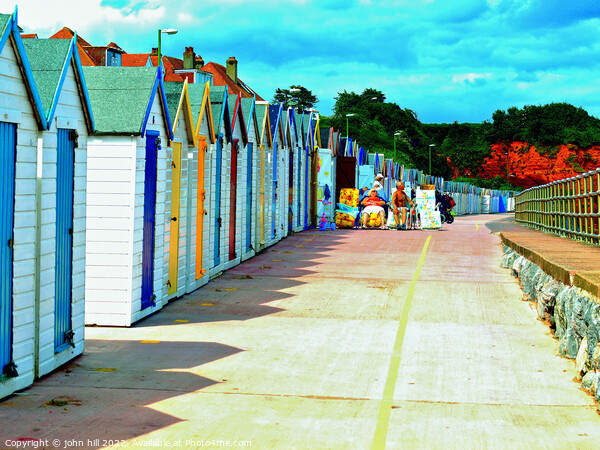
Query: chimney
[(188, 58), (232, 68), (199, 63), (154, 51)]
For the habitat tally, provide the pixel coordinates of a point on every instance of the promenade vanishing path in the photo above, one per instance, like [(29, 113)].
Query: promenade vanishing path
[(345, 339)]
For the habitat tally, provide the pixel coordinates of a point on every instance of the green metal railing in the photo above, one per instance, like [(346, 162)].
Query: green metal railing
[(569, 208)]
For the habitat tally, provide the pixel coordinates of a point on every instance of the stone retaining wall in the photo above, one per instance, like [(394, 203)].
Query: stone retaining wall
[(572, 313)]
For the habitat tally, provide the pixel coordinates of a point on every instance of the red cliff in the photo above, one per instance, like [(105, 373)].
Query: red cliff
[(527, 167)]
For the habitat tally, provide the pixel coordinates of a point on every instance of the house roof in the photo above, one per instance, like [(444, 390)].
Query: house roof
[(220, 78), (135, 59), (67, 33), (49, 61), (129, 91)]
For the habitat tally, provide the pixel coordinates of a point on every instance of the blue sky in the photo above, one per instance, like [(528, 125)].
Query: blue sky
[(445, 59)]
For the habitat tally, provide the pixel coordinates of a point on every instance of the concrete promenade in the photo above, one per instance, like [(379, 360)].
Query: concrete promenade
[(348, 339)]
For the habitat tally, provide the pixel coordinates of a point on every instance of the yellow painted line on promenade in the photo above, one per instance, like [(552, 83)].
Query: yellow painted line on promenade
[(181, 320), (477, 226), (149, 342), (385, 409)]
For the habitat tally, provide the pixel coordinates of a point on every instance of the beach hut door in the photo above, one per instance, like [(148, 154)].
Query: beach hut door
[(249, 199), (63, 334), (235, 148), (299, 190), (200, 207), (175, 213), (8, 150), (291, 191), (217, 257), (274, 205), (152, 146)]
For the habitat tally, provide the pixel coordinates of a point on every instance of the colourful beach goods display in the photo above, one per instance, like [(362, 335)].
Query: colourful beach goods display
[(426, 208)]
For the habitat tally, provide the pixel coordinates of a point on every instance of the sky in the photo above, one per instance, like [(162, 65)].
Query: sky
[(447, 60)]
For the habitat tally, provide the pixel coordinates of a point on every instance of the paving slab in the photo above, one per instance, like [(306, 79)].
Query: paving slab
[(346, 339)]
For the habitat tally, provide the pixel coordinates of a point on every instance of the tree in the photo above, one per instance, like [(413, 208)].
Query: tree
[(296, 96)]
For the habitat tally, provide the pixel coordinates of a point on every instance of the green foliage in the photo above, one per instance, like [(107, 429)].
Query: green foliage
[(545, 126), (296, 96), (374, 124)]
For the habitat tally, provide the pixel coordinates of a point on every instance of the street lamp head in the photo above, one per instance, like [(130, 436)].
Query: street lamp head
[(398, 134), (169, 31), (432, 145), (294, 90), (350, 115)]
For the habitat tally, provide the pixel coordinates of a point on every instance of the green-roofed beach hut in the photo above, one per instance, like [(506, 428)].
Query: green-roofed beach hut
[(220, 180), (59, 79), (44, 124), (250, 178), (264, 176), (21, 121), (180, 155), (127, 188), (235, 161), (199, 243)]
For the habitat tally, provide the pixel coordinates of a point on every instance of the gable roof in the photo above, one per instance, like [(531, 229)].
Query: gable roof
[(50, 60), (220, 111), (10, 33), (237, 115), (220, 78), (178, 102), (276, 119), (262, 115), (249, 110), (201, 107), (131, 92), (299, 119)]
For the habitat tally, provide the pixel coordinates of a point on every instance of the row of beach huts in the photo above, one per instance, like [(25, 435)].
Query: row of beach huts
[(121, 191)]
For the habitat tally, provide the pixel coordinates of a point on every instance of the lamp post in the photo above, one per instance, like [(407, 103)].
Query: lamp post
[(348, 115), (160, 32), (507, 167), (399, 133), (430, 145)]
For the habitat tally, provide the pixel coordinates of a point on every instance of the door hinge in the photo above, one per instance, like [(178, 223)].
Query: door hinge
[(219, 221), (10, 243), (10, 370), (169, 283), (153, 299), (70, 338)]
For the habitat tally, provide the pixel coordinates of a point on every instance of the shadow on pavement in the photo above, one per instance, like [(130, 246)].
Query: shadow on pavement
[(104, 394)]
